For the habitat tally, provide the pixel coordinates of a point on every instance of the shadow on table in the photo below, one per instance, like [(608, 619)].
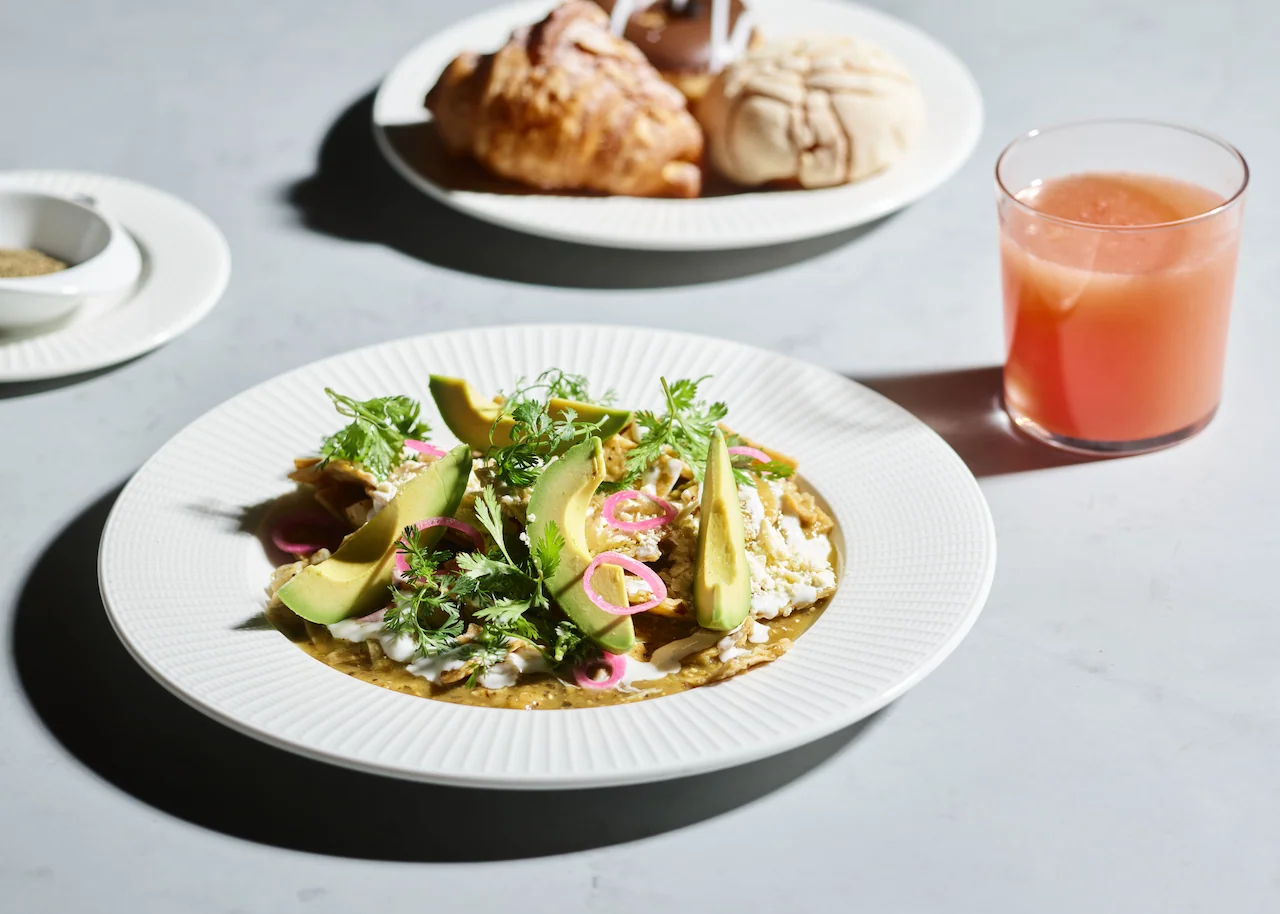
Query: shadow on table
[(12, 389), (964, 407), (355, 194), (120, 723)]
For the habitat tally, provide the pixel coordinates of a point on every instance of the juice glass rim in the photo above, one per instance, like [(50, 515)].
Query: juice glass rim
[(1226, 204)]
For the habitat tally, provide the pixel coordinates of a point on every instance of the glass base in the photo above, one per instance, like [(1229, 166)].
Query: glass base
[(1105, 448)]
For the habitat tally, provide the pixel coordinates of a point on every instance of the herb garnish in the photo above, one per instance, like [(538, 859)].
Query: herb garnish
[(375, 437), (774, 469), (556, 382), (535, 433), (502, 590), (686, 428), (535, 436), (430, 611)]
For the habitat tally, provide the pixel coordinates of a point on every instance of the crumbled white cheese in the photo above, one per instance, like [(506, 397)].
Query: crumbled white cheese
[(789, 570), (753, 509), (759, 632)]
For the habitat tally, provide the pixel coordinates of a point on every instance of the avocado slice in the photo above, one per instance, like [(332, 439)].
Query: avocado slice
[(722, 578), (354, 580), (610, 582), (562, 494), (471, 417)]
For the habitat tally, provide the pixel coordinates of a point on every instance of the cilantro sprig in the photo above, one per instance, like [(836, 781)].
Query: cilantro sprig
[(535, 436), (430, 611), (375, 437), (502, 589), (558, 383), (535, 433), (685, 428)]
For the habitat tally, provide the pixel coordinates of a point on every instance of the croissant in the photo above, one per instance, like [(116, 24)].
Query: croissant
[(566, 105)]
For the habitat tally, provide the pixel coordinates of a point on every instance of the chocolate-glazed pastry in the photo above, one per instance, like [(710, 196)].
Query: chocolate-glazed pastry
[(688, 41)]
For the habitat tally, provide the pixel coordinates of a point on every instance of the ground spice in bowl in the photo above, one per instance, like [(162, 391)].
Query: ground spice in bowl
[(15, 262)]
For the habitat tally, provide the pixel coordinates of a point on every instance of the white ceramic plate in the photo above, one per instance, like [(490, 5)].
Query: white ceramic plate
[(185, 267), (180, 577), (954, 121)]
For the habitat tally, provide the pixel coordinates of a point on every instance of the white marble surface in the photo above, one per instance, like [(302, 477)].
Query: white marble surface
[(1106, 740)]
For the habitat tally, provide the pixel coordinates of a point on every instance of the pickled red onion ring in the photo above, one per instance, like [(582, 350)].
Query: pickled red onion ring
[(616, 664), (611, 503), (307, 532), (402, 564), (422, 447), (753, 452), (626, 563)]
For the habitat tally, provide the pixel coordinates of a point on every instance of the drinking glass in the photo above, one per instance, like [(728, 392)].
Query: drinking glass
[(1118, 244)]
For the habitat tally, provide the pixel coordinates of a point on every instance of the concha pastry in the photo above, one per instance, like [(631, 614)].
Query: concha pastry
[(567, 105), (814, 112), (689, 41)]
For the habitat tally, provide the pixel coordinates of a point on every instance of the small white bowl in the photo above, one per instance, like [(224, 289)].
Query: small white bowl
[(102, 259)]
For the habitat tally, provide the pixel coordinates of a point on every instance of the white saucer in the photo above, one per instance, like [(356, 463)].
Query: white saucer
[(953, 122), (185, 267)]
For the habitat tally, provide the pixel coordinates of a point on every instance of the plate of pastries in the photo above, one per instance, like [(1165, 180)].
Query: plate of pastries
[(678, 124)]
